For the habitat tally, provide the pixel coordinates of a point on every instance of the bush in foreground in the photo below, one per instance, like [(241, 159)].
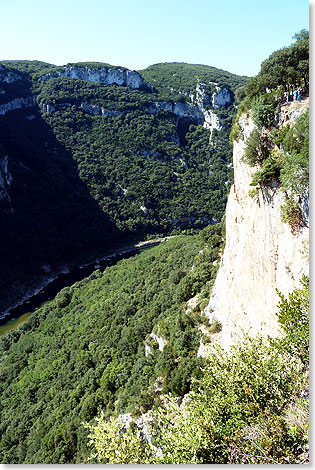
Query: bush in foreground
[(245, 407)]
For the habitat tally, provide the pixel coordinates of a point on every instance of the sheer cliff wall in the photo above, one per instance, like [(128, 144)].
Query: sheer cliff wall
[(261, 255)]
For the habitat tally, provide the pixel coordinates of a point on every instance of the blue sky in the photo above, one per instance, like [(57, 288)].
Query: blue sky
[(232, 35)]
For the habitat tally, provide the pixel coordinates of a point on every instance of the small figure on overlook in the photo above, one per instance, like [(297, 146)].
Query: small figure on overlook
[(299, 95)]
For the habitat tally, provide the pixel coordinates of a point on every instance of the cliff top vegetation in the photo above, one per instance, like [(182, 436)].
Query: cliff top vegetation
[(280, 152)]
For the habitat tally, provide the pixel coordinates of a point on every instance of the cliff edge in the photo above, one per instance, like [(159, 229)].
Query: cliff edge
[(262, 254)]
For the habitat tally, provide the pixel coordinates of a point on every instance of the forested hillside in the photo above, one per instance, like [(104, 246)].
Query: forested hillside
[(249, 405), (122, 367), (108, 343), (93, 157)]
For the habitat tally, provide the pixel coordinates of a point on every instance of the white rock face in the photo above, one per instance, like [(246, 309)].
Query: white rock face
[(159, 106), (179, 109), (261, 255), (222, 97), (102, 75), (144, 210), (201, 97), (93, 109), (204, 117), (17, 103), (211, 121), (160, 341), (49, 108)]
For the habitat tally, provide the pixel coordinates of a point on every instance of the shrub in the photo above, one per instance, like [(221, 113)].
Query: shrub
[(256, 149), (113, 446), (293, 316), (291, 213), (216, 327), (63, 298), (264, 110), (270, 168)]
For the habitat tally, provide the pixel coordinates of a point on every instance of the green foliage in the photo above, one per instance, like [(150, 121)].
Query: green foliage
[(257, 148), (100, 171), (139, 152), (294, 173), (240, 409), (293, 315), (95, 65), (282, 154), (50, 212), (115, 447), (291, 212), (28, 66), (264, 110), (84, 352), (239, 94), (295, 141), (269, 169), (216, 327), (177, 79), (287, 68)]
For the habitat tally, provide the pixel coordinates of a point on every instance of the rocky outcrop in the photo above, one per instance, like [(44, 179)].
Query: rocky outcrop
[(17, 103), (222, 97), (104, 75), (261, 255), (8, 76), (51, 108), (196, 113), (99, 110), (211, 121), (154, 339), (201, 116), (179, 109)]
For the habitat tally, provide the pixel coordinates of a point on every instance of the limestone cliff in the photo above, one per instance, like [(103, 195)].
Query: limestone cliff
[(105, 75), (261, 253), (17, 103)]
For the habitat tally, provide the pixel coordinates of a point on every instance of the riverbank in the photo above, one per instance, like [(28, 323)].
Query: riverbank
[(15, 308)]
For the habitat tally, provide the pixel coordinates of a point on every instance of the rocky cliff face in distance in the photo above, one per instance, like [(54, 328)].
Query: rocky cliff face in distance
[(261, 255), (102, 75)]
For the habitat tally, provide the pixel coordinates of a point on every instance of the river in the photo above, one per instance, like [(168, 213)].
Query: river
[(16, 315)]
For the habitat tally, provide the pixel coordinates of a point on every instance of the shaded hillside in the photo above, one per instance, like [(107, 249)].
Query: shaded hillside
[(89, 150)]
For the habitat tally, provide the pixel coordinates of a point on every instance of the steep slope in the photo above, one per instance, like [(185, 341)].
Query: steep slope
[(262, 253), (47, 217), (92, 154), (107, 342)]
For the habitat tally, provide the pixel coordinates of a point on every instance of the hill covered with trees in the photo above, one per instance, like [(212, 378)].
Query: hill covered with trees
[(93, 162), (113, 369), (106, 343)]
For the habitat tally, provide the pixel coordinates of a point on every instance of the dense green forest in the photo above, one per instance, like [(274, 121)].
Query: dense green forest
[(92, 167), (179, 80), (247, 406), (85, 351)]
